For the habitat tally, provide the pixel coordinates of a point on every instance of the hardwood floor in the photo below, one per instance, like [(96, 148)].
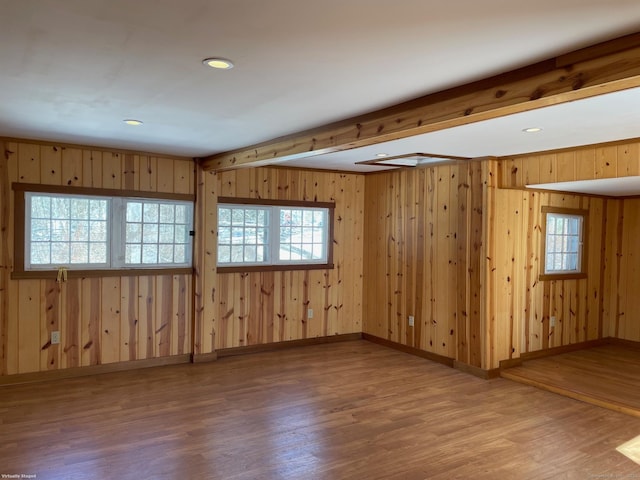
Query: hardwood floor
[(607, 376), (352, 410)]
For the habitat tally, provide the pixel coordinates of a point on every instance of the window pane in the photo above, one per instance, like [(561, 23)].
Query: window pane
[(40, 207), (179, 254), (167, 214), (98, 209), (134, 233), (181, 214), (150, 212), (237, 235), (40, 230), (79, 230), (133, 253), (165, 254), (237, 254), (97, 231), (79, 253), (224, 216), (166, 234), (59, 252), (97, 253), (250, 253), (134, 212), (40, 253), (237, 216), (150, 254), (182, 235), (224, 235), (79, 208), (224, 254), (60, 230), (150, 233), (60, 207)]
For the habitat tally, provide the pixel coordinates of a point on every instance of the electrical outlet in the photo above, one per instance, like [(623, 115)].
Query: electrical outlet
[(310, 313), (411, 320), (55, 338), (552, 322)]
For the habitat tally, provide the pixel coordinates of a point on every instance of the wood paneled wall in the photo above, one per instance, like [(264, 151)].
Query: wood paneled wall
[(520, 305), (423, 245), (622, 270), (602, 305), (619, 159), (101, 320), (242, 309)]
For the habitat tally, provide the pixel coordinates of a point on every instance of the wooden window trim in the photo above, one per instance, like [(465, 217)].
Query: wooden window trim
[(330, 206), (583, 251), (19, 273)]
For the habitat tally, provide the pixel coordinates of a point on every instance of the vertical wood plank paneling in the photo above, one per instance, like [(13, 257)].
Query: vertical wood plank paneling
[(71, 323), (164, 317), (99, 319), (258, 308), (110, 317), (111, 170), (29, 345), (72, 167), (129, 318), (5, 258), (182, 329), (92, 168), (51, 165)]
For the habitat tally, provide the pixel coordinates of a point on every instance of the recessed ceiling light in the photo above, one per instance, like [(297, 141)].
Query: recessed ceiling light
[(131, 121), (381, 155), (532, 130), (220, 63)]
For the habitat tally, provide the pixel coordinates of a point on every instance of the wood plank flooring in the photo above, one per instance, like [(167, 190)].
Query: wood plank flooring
[(607, 376), (352, 410)]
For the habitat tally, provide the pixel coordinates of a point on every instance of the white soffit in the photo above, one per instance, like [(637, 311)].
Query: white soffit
[(611, 187)]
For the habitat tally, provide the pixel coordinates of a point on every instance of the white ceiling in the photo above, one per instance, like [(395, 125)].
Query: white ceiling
[(72, 70), (612, 187)]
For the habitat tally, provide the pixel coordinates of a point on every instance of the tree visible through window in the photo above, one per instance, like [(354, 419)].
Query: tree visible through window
[(102, 232), (258, 234)]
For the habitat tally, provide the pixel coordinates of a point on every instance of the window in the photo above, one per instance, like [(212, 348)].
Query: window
[(564, 243), (89, 230), (273, 235)]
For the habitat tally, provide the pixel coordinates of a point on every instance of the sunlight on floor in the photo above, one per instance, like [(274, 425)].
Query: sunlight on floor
[(631, 449)]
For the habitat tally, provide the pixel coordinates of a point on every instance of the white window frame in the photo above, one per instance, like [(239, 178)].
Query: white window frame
[(565, 244), (116, 263), (272, 240)]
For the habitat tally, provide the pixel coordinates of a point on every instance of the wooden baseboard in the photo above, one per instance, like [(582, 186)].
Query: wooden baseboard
[(411, 350), (563, 349), (204, 357), (267, 347), (623, 343), (476, 371), (92, 370)]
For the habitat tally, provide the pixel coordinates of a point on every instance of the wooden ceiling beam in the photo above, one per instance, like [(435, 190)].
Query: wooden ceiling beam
[(603, 68)]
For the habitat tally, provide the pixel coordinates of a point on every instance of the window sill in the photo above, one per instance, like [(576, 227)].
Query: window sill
[(274, 268), (561, 276), (129, 272)]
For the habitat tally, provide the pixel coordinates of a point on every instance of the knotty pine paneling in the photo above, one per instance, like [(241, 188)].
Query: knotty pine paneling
[(101, 320), (240, 309), (423, 232), (521, 303), (613, 258), (618, 159), (622, 262)]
